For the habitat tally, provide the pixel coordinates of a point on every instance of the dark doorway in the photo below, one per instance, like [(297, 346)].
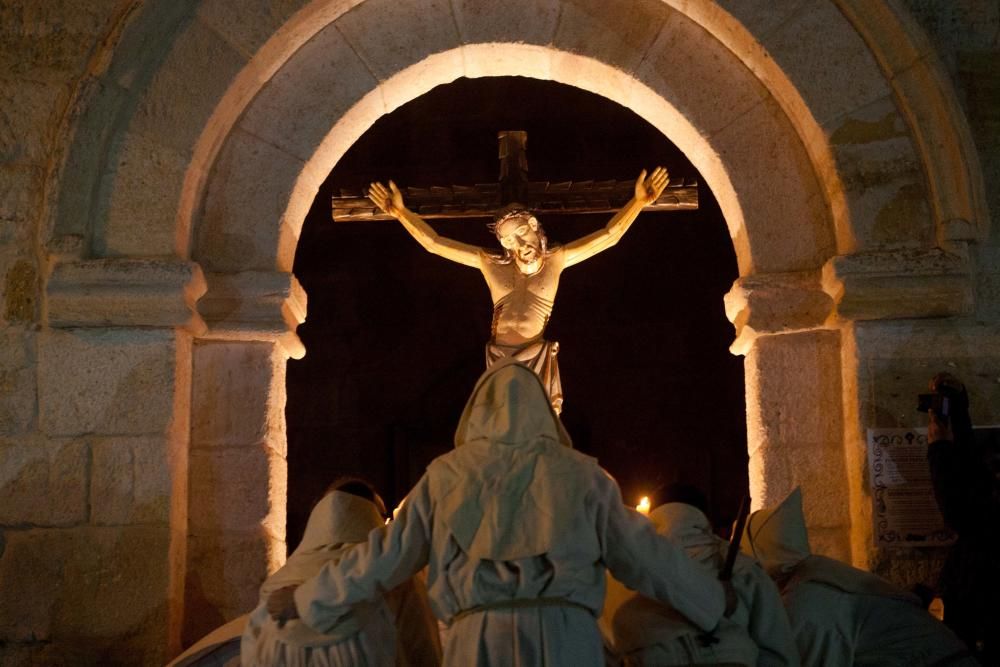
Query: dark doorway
[(395, 335)]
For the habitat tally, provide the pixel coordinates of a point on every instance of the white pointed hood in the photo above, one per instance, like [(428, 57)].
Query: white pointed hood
[(513, 479), (777, 537), (338, 520), (779, 540), (509, 406)]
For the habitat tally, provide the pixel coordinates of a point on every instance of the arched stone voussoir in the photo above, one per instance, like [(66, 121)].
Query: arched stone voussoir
[(159, 145), (392, 35), (883, 177), (702, 78), (748, 151), (256, 200), (520, 21), (786, 217), (617, 34), (826, 60), (298, 107)]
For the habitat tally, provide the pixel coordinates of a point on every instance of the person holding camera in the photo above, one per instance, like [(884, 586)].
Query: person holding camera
[(966, 479)]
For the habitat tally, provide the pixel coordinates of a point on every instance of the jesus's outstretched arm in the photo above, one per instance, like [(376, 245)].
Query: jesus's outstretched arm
[(390, 200), (647, 190)]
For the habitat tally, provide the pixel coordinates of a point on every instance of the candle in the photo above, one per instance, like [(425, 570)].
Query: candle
[(643, 506)]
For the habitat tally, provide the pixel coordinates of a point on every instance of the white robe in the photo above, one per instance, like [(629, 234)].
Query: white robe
[(517, 530), (369, 632), (648, 633), (844, 616), (841, 615)]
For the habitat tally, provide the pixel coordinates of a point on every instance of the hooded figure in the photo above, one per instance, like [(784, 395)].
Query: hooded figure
[(648, 633), (517, 529), (841, 615), (369, 632)]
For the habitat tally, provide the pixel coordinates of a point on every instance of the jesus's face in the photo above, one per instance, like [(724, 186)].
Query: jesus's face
[(520, 236)]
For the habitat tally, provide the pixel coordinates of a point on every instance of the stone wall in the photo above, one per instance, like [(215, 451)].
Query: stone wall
[(89, 460), (966, 35), (110, 122)]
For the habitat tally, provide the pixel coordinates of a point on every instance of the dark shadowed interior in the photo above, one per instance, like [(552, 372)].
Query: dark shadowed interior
[(395, 335)]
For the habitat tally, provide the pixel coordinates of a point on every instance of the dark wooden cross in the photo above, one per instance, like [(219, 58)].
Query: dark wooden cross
[(543, 197)]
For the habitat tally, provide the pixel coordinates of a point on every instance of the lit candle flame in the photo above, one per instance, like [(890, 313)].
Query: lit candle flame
[(643, 506)]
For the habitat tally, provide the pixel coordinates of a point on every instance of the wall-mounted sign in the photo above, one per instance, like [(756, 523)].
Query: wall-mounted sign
[(905, 513)]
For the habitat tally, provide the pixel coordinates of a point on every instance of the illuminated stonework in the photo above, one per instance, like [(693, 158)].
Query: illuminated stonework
[(189, 141)]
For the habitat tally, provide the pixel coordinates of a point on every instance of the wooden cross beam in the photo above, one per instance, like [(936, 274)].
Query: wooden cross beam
[(483, 200)]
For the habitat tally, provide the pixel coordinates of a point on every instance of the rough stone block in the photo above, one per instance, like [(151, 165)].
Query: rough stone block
[(795, 379), (988, 283), (680, 61), (787, 231), (831, 542), (874, 123), (131, 481), (185, 90), (260, 208), (107, 381), (142, 212), (51, 41), (759, 17), (85, 166), (20, 195), (17, 400), (26, 114), (125, 292), (238, 397), (897, 362), (614, 34), (43, 483), (899, 284), (520, 21), (18, 396), (794, 408), (224, 574), (17, 345), (883, 177), (246, 24), (508, 60), (835, 74), (255, 306), (391, 35), (237, 488), (100, 591), (301, 104), (19, 287), (775, 303)]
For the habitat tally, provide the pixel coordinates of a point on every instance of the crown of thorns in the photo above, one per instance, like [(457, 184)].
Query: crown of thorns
[(509, 213)]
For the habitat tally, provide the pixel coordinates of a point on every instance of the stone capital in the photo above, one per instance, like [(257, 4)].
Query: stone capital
[(774, 303), (125, 292), (255, 305), (900, 284)]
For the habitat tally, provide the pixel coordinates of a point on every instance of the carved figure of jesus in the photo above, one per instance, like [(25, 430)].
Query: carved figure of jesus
[(524, 279)]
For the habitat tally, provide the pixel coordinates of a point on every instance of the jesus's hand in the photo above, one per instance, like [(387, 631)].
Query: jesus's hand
[(388, 199), (648, 190)]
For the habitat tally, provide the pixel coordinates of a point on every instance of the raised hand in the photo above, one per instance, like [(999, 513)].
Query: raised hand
[(390, 199), (648, 190)]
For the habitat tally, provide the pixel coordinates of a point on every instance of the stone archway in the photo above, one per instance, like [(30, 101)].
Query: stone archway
[(831, 180)]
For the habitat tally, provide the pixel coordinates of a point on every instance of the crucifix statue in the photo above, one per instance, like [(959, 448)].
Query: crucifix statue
[(523, 279)]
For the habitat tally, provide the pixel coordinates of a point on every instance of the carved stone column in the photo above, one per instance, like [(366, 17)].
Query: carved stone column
[(793, 388), (238, 444)]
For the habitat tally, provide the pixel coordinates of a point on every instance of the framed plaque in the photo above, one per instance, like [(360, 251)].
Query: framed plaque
[(905, 513)]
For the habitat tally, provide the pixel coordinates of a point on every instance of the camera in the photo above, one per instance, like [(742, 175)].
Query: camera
[(936, 402)]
